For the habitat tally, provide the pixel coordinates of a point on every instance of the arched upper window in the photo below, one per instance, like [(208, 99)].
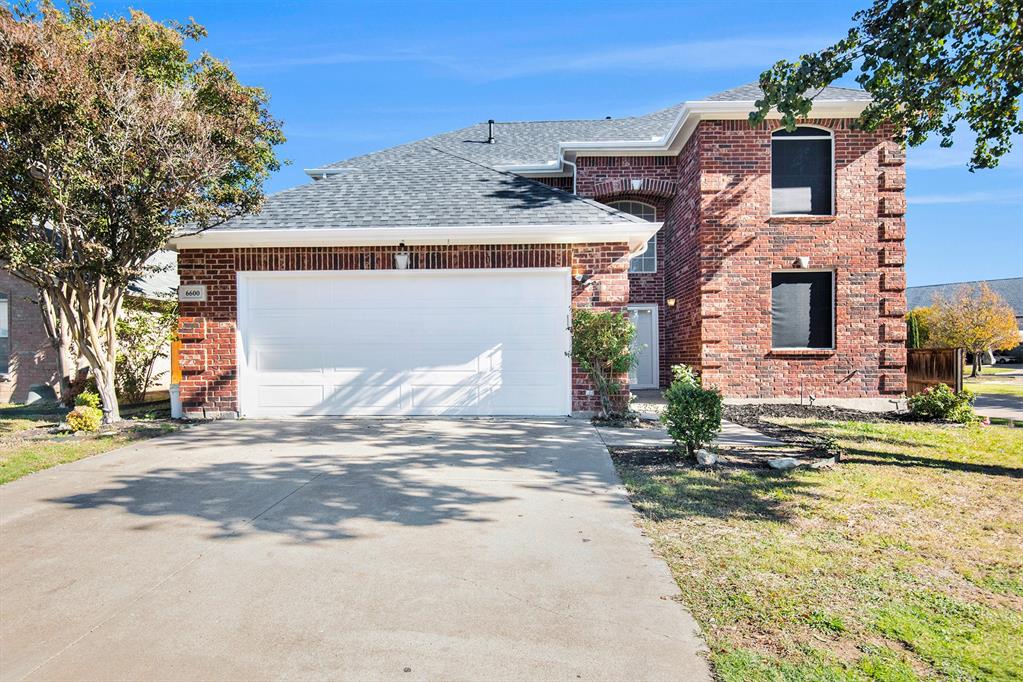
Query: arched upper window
[(648, 261), (802, 172)]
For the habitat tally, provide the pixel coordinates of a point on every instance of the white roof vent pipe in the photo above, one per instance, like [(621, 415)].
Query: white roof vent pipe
[(490, 131)]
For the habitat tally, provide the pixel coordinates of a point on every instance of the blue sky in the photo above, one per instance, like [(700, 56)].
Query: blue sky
[(349, 78)]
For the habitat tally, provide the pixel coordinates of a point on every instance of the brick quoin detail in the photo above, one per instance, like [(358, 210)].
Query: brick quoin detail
[(720, 244), (209, 385), (741, 245)]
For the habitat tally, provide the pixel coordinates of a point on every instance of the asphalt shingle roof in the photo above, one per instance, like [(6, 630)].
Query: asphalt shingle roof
[(1011, 289), (418, 186), (453, 179), (523, 143)]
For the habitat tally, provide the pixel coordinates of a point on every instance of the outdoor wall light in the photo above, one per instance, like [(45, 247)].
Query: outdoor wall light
[(671, 303), (803, 262), (401, 257), (583, 279)]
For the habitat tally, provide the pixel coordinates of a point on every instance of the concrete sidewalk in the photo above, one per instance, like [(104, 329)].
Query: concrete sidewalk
[(732, 436), (340, 549)]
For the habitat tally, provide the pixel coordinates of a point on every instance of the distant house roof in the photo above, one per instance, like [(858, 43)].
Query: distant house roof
[(752, 92), (1011, 289), (161, 281)]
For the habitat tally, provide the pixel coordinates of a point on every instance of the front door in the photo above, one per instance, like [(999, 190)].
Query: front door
[(644, 372)]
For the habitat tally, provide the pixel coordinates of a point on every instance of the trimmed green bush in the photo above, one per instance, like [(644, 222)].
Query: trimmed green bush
[(602, 345), (941, 403), (88, 399), (693, 413), (85, 418)]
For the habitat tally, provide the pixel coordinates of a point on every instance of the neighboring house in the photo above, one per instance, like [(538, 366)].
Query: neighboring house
[(771, 261), (1009, 288), (27, 358)]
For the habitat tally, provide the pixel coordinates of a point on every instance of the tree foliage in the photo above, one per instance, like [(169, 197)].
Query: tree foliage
[(974, 318), (929, 66), (112, 138), (918, 327), (602, 345)]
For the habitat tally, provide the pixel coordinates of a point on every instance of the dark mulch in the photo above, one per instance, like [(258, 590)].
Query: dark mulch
[(749, 415)]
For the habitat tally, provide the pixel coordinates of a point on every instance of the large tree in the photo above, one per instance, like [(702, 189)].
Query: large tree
[(929, 65), (976, 319), (111, 138)]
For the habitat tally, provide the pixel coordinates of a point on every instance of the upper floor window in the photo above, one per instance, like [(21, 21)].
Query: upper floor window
[(648, 261), (5, 334), (802, 172)]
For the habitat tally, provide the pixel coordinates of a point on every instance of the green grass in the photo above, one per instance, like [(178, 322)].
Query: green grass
[(23, 452), (904, 562)]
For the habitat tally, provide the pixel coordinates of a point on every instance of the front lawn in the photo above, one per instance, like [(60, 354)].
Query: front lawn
[(903, 562), (27, 445)]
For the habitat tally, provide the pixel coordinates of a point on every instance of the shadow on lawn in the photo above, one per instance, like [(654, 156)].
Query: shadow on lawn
[(666, 489), (864, 455)]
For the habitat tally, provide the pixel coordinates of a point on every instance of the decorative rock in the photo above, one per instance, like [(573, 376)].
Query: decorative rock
[(783, 463), (706, 458)]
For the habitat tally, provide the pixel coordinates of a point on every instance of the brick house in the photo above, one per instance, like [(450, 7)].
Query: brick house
[(437, 277), (27, 357)]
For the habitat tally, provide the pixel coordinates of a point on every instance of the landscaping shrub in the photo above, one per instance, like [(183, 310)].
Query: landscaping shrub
[(942, 403), (87, 399), (602, 345), (85, 418), (684, 374), (693, 413)]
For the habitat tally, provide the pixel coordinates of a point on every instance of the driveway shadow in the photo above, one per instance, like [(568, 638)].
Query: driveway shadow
[(312, 480)]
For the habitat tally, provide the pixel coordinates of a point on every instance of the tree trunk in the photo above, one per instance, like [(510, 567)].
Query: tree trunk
[(88, 305), (94, 308), (976, 364), (58, 330), (107, 387)]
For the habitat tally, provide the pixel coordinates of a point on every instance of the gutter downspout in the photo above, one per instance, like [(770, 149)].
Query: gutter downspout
[(572, 164)]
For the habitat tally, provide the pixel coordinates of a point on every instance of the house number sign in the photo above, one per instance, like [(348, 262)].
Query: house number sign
[(192, 292)]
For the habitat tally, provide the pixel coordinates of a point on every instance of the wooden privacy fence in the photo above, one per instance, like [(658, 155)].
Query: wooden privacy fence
[(927, 367)]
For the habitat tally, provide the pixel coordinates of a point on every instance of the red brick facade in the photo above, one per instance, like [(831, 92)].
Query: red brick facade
[(33, 358), (716, 252), (209, 385)]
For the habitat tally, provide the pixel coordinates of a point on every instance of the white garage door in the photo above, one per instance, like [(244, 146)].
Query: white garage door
[(382, 342)]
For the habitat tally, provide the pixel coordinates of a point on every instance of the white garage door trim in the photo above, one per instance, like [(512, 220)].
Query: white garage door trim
[(559, 296)]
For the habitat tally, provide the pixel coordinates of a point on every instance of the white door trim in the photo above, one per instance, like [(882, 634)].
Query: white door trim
[(654, 346), (242, 277)]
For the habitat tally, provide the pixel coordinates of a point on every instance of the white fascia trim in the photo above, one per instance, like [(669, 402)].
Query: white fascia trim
[(683, 126), (635, 233)]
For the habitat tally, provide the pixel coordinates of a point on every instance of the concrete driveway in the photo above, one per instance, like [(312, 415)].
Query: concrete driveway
[(341, 549)]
